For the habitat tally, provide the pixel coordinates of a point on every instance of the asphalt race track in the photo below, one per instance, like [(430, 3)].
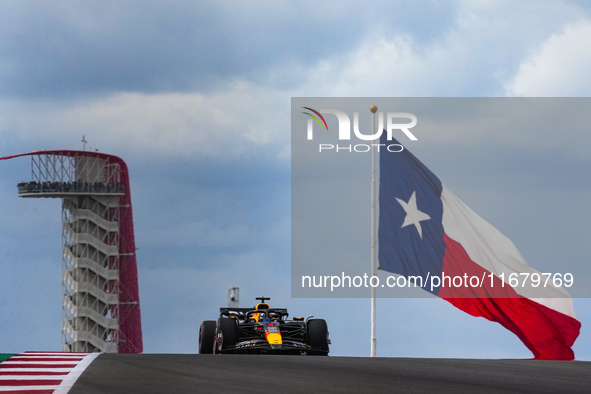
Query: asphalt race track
[(165, 373)]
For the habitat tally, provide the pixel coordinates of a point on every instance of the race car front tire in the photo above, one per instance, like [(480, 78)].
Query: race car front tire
[(229, 334), (317, 335), (206, 337)]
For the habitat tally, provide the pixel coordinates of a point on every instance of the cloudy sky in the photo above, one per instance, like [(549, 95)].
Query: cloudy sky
[(195, 96)]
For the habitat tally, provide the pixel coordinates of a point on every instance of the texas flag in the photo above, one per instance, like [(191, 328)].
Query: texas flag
[(426, 231)]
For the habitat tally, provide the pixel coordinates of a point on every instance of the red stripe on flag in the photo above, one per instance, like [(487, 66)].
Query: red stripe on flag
[(29, 392), (547, 333)]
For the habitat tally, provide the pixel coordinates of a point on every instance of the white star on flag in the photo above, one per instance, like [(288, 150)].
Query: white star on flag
[(413, 215)]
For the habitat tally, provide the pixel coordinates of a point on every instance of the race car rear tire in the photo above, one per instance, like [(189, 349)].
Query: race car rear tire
[(229, 331), (317, 335), (206, 337)]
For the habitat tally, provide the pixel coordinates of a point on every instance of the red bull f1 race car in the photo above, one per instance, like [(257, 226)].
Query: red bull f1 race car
[(263, 329)]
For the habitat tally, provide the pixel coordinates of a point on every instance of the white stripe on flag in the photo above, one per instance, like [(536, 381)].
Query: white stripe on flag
[(496, 253)]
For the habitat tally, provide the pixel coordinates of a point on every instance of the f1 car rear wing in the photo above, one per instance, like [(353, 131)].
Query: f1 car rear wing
[(245, 310)]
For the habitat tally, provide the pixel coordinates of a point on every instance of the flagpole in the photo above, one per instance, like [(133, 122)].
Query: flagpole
[(373, 110)]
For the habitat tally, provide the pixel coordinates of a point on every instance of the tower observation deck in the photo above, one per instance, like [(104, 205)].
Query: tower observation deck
[(100, 302)]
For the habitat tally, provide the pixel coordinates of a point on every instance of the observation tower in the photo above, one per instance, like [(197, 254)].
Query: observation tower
[(100, 302)]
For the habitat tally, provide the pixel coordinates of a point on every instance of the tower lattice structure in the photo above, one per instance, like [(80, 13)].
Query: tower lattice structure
[(100, 301)]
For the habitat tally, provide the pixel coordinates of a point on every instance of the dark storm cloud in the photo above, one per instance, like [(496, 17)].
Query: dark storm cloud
[(211, 210), (63, 48)]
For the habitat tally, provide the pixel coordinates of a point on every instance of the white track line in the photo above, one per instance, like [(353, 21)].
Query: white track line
[(63, 383), (71, 378)]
